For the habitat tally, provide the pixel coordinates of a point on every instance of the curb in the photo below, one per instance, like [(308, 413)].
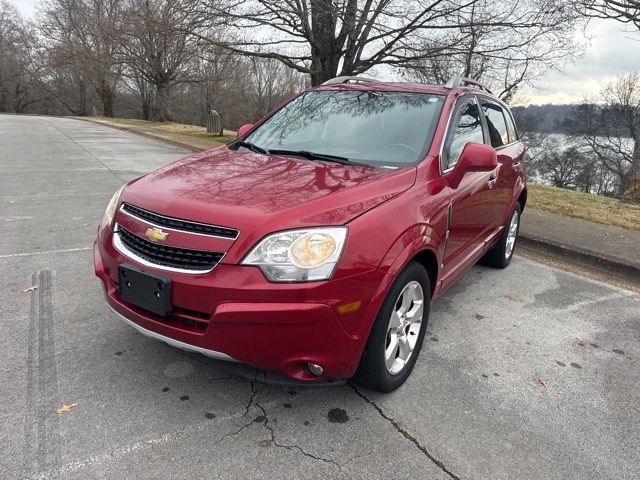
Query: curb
[(129, 129), (581, 255)]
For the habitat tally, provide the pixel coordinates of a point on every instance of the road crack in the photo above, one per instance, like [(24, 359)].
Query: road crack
[(254, 392), (404, 433), (291, 448)]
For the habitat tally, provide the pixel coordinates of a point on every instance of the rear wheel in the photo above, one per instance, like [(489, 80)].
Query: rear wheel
[(396, 337), (500, 255)]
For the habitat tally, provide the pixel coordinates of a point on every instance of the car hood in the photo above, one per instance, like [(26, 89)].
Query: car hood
[(264, 193)]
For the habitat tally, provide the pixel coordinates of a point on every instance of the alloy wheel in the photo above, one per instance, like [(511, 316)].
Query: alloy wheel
[(404, 327), (512, 234)]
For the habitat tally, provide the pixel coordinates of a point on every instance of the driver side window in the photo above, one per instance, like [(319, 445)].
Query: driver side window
[(466, 127)]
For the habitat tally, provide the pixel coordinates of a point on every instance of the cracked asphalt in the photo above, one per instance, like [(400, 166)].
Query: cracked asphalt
[(527, 373)]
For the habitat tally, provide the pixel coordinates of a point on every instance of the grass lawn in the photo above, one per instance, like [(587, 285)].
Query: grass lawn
[(192, 130), (594, 208)]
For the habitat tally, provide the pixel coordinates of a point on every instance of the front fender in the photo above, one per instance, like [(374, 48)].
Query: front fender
[(415, 240)]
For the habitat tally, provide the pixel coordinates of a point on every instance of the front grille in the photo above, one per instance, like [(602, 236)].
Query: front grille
[(166, 256), (177, 224)]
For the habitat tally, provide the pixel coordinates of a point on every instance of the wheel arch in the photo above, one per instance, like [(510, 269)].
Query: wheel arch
[(428, 259), (522, 198)]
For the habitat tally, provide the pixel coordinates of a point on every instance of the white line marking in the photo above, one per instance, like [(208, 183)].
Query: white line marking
[(59, 195), (118, 453), (585, 303), (45, 252)]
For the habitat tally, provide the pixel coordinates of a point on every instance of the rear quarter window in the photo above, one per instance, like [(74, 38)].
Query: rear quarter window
[(511, 127)]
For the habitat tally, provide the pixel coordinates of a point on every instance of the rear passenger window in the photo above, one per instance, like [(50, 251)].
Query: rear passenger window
[(496, 124), (467, 128)]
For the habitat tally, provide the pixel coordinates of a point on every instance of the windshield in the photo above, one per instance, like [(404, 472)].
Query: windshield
[(381, 129)]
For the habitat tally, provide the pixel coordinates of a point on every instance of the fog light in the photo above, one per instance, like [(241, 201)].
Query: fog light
[(315, 369)]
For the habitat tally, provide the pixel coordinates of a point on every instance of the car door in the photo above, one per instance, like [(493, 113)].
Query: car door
[(500, 134), (469, 223)]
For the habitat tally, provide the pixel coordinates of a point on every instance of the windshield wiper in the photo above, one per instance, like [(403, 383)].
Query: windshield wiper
[(251, 146), (317, 156)]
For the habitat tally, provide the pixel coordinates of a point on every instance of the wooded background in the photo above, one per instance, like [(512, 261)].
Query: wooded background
[(176, 60)]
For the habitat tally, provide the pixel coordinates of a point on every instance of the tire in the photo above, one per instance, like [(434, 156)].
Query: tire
[(502, 252), (382, 371)]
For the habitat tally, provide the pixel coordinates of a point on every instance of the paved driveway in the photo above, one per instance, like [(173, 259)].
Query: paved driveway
[(525, 373)]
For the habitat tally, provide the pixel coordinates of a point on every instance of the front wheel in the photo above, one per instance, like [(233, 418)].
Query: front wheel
[(396, 337), (502, 252)]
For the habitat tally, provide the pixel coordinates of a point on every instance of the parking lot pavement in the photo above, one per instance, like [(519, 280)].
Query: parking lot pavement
[(530, 372)]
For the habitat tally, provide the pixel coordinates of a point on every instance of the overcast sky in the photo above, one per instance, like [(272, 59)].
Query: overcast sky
[(610, 51)]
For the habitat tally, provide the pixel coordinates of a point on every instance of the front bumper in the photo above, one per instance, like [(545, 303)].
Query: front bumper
[(242, 317)]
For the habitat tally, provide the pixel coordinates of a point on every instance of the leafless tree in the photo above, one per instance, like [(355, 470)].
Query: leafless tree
[(326, 38), (140, 89), (561, 168), (18, 73), (625, 11), (219, 75), (267, 84), (611, 130), (158, 47), (505, 44), (82, 34)]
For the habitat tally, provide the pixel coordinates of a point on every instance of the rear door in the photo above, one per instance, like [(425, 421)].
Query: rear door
[(500, 134)]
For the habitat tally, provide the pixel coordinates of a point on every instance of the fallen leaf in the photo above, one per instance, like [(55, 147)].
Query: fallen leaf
[(514, 296), (543, 381), (30, 289), (66, 407)]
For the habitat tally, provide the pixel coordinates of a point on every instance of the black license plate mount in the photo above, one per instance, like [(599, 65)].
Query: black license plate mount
[(144, 290)]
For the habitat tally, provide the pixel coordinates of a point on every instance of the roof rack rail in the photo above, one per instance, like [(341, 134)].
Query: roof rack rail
[(347, 79), (460, 81)]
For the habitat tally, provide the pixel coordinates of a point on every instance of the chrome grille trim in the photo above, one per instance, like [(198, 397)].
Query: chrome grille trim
[(119, 245), (174, 219)]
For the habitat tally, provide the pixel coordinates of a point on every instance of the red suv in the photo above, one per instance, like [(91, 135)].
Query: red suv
[(313, 245)]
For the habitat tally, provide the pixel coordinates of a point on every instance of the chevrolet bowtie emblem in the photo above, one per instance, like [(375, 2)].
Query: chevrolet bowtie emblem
[(156, 235)]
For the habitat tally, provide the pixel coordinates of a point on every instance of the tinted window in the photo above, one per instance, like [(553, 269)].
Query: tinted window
[(496, 124), (383, 129), (468, 128), (511, 127)]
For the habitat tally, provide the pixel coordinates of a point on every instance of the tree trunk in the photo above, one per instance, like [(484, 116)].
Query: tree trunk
[(107, 105), (107, 95), (631, 192), (324, 60), (83, 101), (146, 109), (161, 109)]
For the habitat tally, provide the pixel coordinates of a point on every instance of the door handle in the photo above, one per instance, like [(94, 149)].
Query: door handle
[(492, 180), (516, 165)]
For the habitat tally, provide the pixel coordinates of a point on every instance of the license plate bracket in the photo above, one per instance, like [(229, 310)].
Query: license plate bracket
[(150, 292)]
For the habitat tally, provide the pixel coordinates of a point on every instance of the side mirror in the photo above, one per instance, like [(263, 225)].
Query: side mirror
[(244, 129), (475, 157)]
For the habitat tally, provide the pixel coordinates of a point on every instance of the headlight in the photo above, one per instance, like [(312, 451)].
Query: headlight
[(299, 255), (111, 207)]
